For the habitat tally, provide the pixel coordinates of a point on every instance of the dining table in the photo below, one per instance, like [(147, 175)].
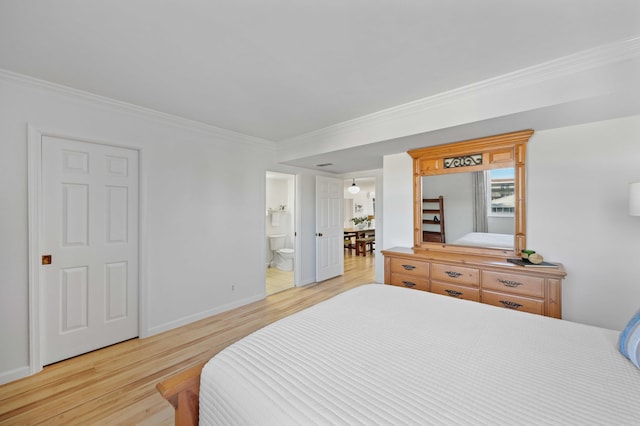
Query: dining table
[(354, 234)]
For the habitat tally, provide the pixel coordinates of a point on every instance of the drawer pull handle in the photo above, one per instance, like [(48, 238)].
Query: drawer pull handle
[(409, 267), (453, 293), (509, 283), (510, 305), (408, 284), (453, 274)]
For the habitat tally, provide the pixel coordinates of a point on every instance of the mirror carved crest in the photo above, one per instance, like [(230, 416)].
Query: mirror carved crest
[(462, 161), (470, 196)]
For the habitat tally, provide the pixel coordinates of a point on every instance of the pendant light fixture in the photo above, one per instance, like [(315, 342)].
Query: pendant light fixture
[(354, 189)]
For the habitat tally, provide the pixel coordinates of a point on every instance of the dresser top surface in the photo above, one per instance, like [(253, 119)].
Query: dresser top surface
[(475, 261)]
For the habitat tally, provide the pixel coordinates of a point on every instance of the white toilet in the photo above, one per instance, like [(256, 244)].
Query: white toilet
[(283, 257)]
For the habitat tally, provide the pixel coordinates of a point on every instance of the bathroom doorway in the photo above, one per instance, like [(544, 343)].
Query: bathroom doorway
[(280, 232)]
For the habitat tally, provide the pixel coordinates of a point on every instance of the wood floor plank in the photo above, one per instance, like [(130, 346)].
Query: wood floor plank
[(116, 385)]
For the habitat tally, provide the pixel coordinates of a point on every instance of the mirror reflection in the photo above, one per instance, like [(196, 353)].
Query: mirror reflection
[(475, 209)]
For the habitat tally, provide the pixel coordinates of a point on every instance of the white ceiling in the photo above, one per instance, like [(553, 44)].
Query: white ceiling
[(276, 69)]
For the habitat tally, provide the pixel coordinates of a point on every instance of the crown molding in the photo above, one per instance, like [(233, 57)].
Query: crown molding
[(578, 62), (581, 61), (147, 113)]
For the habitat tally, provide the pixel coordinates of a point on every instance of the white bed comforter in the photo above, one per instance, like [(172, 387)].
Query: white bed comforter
[(384, 355)]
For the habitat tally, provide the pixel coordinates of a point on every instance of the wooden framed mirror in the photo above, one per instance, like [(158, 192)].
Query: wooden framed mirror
[(470, 196)]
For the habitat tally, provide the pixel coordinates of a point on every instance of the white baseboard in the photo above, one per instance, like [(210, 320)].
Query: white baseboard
[(201, 315), (307, 281), (11, 375)]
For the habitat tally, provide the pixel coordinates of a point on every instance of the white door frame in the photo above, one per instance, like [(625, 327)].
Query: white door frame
[(34, 194)]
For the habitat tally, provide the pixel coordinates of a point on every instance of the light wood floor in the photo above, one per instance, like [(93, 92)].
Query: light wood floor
[(278, 280), (116, 385)]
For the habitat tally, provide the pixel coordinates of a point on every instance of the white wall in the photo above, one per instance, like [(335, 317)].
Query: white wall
[(577, 181), (203, 200), (578, 214), (397, 170)]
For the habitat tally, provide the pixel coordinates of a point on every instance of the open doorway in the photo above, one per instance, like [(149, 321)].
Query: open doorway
[(280, 232), (359, 222)]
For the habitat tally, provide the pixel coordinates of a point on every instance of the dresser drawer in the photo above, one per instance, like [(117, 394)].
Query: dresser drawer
[(457, 291), (516, 303), (409, 267), (455, 274), (410, 281), (489, 280), (513, 283)]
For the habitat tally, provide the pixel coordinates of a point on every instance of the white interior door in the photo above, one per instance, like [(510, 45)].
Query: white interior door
[(329, 228), (90, 229)]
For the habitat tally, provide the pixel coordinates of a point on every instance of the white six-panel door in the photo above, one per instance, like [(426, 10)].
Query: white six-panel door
[(90, 229), (329, 228)]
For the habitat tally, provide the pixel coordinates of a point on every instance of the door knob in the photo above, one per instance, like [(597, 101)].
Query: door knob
[(46, 259), (319, 234)]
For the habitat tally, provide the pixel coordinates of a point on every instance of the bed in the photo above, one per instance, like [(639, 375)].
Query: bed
[(381, 354), (486, 239)]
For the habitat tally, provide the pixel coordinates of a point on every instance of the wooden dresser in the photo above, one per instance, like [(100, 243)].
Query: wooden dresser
[(493, 281)]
